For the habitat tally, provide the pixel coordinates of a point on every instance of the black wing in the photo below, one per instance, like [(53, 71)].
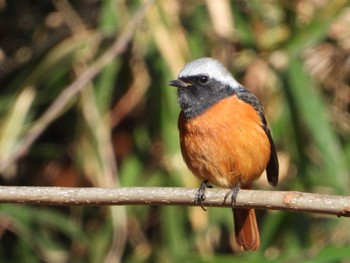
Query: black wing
[(272, 168)]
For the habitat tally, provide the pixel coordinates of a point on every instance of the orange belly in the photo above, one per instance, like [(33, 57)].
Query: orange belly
[(226, 144)]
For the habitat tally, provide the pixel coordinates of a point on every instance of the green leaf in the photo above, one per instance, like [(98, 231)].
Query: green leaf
[(312, 111)]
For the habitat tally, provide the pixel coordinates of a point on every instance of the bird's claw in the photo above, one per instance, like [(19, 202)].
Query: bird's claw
[(200, 194), (233, 192)]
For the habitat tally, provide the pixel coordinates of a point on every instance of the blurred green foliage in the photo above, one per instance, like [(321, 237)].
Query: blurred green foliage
[(121, 129)]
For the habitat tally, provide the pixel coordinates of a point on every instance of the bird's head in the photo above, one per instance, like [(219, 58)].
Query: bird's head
[(201, 84)]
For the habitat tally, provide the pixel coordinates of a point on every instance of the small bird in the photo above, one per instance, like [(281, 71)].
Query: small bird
[(224, 138)]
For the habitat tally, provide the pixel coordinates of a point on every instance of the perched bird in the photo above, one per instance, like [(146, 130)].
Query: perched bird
[(224, 137)]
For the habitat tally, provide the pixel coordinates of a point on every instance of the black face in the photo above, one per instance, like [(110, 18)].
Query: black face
[(198, 93)]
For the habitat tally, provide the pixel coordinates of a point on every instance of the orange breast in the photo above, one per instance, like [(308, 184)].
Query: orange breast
[(226, 144)]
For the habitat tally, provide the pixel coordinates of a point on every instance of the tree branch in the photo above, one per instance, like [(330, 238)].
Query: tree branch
[(275, 200)]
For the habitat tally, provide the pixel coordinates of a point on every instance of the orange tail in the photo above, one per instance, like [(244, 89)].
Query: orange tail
[(246, 229)]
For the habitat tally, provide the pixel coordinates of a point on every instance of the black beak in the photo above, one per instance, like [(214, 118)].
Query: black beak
[(178, 83)]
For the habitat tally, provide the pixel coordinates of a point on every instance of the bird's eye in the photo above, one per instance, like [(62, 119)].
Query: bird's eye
[(203, 79)]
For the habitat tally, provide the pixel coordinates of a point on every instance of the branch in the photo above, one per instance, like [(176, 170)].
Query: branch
[(274, 200)]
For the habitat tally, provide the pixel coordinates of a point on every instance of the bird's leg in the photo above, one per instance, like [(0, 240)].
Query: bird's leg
[(200, 194), (233, 192)]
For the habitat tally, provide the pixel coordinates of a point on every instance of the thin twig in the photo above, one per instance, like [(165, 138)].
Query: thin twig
[(274, 200), (71, 90)]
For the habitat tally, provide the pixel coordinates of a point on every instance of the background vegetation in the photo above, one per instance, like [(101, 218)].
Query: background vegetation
[(121, 129)]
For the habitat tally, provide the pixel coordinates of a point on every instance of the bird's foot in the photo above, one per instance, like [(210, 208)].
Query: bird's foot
[(200, 194), (233, 192)]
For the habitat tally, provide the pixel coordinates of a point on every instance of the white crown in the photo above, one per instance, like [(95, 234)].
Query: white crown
[(210, 67)]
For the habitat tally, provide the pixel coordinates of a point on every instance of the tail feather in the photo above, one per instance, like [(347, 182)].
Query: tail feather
[(246, 229)]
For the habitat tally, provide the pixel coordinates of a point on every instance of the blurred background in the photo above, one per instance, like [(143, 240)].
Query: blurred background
[(121, 128)]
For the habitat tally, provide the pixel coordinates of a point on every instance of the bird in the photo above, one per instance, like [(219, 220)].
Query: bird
[(224, 138)]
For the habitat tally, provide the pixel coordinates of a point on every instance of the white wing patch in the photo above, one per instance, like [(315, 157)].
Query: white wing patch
[(211, 67)]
